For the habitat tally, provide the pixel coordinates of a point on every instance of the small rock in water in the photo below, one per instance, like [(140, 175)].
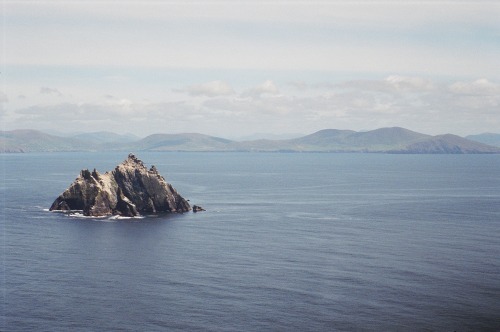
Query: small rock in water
[(197, 208)]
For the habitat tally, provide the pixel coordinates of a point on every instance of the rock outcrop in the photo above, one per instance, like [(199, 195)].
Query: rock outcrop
[(129, 190), (197, 208)]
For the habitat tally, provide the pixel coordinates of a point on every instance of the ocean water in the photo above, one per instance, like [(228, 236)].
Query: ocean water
[(289, 242)]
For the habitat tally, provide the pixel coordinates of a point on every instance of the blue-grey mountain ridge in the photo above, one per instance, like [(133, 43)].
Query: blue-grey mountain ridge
[(383, 140)]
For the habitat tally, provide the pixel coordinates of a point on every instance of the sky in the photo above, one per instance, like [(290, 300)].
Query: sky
[(235, 69)]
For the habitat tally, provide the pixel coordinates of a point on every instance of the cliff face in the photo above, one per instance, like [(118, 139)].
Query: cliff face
[(130, 189)]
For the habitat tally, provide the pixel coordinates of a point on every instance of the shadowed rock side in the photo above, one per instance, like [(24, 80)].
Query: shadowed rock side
[(130, 189)]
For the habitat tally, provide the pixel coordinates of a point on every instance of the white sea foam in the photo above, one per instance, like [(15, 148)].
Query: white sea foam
[(104, 218), (124, 218), (79, 214), (64, 212)]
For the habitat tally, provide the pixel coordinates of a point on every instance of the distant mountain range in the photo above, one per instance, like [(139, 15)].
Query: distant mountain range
[(106, 137), (383, 140), (486, 138)]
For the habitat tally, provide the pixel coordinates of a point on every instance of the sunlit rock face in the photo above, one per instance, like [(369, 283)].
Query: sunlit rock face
[(129, 190)]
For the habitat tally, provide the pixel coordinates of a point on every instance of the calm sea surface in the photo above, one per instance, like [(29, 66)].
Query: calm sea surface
[(289, 242)]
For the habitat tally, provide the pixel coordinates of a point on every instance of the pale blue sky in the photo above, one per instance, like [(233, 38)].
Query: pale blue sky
[(234, 68)]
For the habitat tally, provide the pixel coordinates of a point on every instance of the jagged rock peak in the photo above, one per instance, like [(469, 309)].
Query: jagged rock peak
[(133, 161), (130, 189), (85, 173)]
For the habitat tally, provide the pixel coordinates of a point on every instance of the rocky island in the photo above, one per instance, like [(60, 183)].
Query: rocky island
[(129, 190)]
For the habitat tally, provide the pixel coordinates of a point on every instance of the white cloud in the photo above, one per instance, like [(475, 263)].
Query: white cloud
[(480, 96), (409, 83), (391, 84), (3, 97), (480, 87), (419, 37), (299, 85), (266, 88), (421, 104), (209, 89), (50, 91), (377, 12)]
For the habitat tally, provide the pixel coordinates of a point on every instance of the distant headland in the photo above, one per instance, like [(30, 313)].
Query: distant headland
[(383, 140)]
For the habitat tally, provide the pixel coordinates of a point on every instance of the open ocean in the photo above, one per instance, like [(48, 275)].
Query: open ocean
[(289, 242)]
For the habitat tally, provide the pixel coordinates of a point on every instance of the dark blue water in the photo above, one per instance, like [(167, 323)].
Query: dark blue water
[(289, 242)]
